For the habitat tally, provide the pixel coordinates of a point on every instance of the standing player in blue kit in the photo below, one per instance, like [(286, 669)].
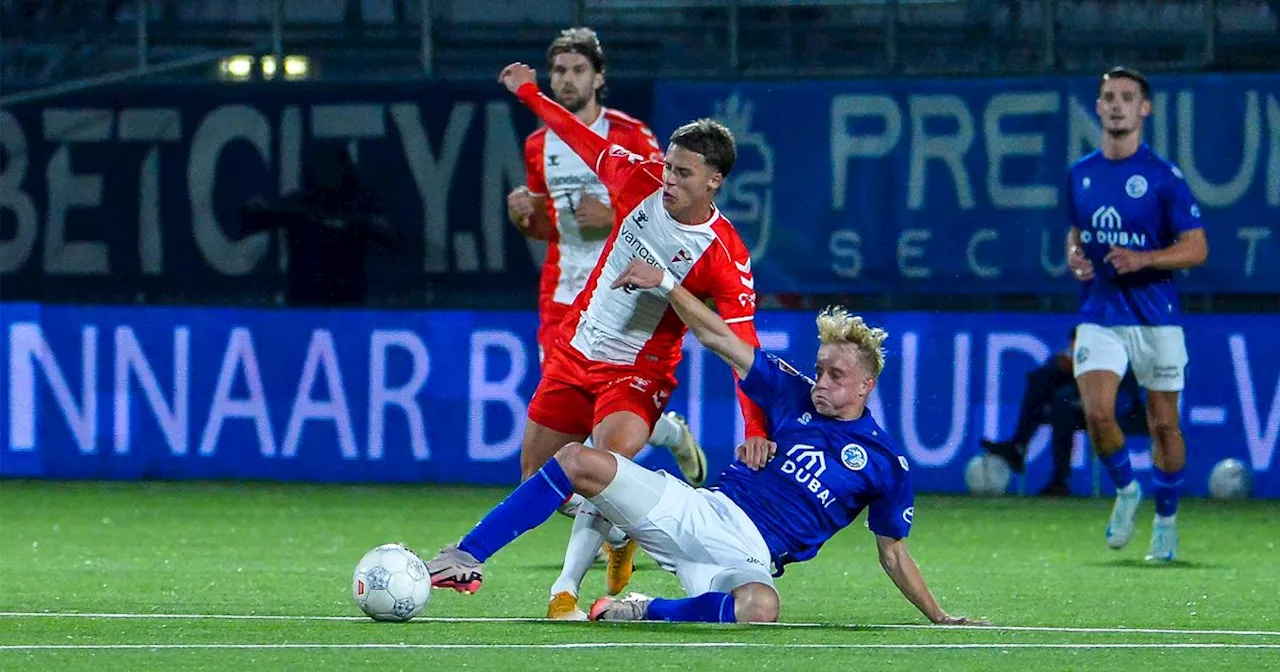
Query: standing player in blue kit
[(1133, 223)]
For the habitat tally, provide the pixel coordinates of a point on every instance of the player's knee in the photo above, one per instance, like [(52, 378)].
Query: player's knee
[(1098, 416), (756, 603), (573, 460), (1164, 431), (588, 470)]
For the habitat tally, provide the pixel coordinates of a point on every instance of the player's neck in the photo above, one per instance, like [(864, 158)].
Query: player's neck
[(589, 114), (695, 216), (1118, 148)]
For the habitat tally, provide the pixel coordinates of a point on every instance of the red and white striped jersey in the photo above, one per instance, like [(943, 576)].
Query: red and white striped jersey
[(638, 330), (555, 171)]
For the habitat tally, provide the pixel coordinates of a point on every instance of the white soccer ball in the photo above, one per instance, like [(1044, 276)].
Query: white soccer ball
[(987, 475), (1230, 479), (391, 583)]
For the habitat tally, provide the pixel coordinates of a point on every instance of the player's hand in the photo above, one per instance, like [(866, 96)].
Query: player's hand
[(639, 274), (948, 619), (1081, 267), (1127, 261), (592, 213), (515, 75), (756, 452), (520, 207)]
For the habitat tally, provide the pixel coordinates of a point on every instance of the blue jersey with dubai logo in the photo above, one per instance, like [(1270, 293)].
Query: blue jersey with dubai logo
[(1142, 203), (825, 471)]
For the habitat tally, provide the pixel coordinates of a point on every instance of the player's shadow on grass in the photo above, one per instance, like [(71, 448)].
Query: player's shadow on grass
[(1138, 563)]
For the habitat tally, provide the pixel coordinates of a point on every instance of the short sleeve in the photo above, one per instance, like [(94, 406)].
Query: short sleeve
[(1179, 205), (775, 386), (891, 515)]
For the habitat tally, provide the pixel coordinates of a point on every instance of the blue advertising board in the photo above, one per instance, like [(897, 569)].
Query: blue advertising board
[(956, 185), (440, 396)]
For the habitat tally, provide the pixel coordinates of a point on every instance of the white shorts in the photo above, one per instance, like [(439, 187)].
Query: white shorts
[(1158, 355), (701, 536)]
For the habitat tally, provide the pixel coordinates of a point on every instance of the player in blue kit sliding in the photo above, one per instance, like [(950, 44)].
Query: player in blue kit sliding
[(1133, 223), (779, 503)]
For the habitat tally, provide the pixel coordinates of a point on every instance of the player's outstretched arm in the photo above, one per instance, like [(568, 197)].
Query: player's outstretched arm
[(901, 567), (706, 325), (521, 80)]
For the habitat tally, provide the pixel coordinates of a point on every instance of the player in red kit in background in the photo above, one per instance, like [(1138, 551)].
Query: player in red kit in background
[(613, 369), (566, 205)]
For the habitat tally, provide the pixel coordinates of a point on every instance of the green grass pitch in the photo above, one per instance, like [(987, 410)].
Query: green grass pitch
[(228, 557)]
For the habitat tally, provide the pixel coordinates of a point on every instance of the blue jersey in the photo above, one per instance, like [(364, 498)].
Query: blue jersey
[(1142, 203), (826, 470)]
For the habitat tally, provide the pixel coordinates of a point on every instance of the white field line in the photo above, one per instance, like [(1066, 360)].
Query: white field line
[(624, 645), (855, 626)]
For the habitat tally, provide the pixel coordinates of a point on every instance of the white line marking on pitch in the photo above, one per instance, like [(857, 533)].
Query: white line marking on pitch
[(517, 619), (628, 645)]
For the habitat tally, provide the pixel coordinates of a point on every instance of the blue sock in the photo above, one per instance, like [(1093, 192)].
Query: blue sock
[(524, 509), (1166, 490), (705, 608), (1118, 467)]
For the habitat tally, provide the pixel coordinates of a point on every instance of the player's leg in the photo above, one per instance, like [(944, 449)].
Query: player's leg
[(738, 591), (575, 468), (753, 602), (1169, 453), (1159, 365), (559, 413), (1101, 359), (671, 431), (624, 433)]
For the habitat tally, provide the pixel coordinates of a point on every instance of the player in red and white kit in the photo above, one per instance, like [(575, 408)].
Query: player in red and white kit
[(613, 369), (566, 204)]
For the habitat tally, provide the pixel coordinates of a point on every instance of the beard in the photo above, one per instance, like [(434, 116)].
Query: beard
[(574, 104)]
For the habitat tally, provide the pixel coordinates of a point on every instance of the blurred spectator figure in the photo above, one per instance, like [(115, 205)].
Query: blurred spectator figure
[(330, 225), (1052, 398)]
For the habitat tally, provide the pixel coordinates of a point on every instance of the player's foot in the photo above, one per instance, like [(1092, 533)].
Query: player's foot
[(689, 455), (634, 607), (621, 565), (1123, 513), (564, 607), (1164, 539), (457, 569), (1009, 451)]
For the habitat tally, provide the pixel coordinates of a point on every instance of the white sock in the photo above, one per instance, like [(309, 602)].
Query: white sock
[(666, 432), (589, 529), (570, 508), (616, 537)]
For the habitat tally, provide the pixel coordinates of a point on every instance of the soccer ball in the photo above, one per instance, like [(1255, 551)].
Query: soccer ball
[(391, 583), (987, 475), (1230, 479)]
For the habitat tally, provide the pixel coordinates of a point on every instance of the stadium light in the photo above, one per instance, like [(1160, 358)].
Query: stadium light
[(239, 66), (295, 67)]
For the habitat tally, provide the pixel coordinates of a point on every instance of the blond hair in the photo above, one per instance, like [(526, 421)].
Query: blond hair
[(836, 327)]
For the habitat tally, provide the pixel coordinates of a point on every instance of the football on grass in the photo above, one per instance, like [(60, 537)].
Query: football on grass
[(391, 583)]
